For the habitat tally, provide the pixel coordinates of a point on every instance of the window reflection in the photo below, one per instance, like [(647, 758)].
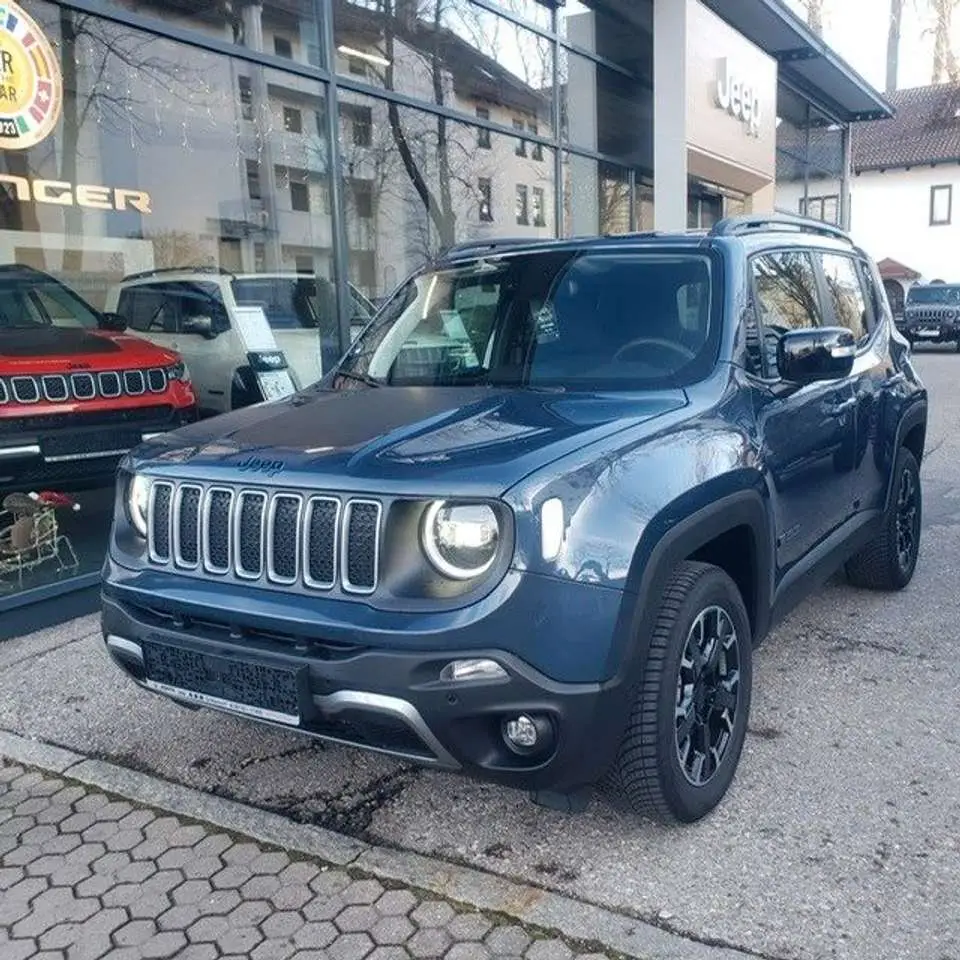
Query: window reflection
[(605, 111), (427, 186), (285, 28), (536, 12), (449, 52), (596, 197), (623, 36)]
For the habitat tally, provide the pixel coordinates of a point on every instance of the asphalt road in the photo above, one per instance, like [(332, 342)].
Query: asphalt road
[(840, 838)]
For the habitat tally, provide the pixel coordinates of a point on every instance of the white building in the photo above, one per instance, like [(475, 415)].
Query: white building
[(905, 192)]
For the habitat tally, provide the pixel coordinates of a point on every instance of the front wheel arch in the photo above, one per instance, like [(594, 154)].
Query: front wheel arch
[(667, 542)]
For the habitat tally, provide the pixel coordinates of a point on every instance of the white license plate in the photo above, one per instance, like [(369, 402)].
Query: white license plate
[(275, 384), (231, 706), (926, 332)]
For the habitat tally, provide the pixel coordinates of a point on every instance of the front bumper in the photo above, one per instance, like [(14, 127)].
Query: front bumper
[(77, 450), (386, 699), (936, 330)]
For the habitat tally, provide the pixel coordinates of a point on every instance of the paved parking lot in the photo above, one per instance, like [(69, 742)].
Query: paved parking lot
[(104, 878), (841, 837)]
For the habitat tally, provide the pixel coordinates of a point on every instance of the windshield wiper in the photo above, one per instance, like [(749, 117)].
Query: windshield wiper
[(360, 378)]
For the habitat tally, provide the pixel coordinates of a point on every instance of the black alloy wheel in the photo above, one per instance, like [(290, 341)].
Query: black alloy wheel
[(907, 518), (708, 695), (681, 746)]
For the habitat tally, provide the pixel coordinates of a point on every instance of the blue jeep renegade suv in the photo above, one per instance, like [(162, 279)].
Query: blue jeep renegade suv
[(537, 519)]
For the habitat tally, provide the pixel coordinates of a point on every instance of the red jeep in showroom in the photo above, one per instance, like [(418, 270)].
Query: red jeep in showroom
[(76, 392)]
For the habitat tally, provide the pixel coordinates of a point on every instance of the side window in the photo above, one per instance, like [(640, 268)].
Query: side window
[(785, 299), (201, 302), (846, 294), (145, 310)]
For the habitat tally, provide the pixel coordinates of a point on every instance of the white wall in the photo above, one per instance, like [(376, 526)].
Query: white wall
[(891, 218)]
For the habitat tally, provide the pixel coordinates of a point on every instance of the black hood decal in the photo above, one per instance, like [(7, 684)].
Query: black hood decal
[(53, 342)]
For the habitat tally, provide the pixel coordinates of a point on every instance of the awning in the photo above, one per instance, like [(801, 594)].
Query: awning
[(806, 62)]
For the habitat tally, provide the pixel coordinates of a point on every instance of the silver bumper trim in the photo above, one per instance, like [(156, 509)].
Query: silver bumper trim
[(393, 707), (334, 703), (126, 646), (27, 450)]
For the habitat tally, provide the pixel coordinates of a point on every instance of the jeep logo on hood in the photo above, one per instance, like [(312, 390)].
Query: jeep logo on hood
[(258, 465)]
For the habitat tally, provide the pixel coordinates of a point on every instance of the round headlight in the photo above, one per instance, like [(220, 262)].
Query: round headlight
[(460, 540), (178, 371), (138, 502)]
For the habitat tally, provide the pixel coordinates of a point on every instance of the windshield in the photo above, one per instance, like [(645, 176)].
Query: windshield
[(29, 300), (603, 320), (297, 302), (936, 293)]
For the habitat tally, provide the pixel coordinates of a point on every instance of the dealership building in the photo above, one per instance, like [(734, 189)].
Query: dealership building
[(352, 141)]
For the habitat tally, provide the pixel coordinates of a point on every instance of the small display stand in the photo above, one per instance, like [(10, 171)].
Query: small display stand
[(30, 536)]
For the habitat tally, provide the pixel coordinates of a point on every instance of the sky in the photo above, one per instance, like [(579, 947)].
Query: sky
[(857, 30)]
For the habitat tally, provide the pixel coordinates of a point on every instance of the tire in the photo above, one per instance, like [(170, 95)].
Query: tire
[(648, 776), (890, 559)]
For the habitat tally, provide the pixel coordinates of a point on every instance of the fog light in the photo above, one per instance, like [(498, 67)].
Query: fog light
[(528, 734), (521, 732), (462, 670)]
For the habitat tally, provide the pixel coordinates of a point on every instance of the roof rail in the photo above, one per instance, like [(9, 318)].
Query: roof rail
[(494, 243), (783, 222), (187, 269)]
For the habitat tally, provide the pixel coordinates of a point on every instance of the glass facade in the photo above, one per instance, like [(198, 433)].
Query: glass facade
[(810, 159), (201, 202)]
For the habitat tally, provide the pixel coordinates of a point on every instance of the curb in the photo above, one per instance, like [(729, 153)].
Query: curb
[(527, 904)]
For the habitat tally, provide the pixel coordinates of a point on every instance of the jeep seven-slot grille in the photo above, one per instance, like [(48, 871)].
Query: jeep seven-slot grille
[(282, 539), (61, 388), (931, 313)]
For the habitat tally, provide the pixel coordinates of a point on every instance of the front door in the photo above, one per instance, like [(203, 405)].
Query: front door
[(807, 432)]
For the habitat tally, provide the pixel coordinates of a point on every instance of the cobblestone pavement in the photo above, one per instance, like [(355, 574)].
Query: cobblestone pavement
[(84, 877)]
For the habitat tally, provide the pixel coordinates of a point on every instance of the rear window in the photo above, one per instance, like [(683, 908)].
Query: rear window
[(577, 320)]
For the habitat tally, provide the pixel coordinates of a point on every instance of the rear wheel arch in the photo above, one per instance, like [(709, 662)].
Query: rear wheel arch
[(912, 434)]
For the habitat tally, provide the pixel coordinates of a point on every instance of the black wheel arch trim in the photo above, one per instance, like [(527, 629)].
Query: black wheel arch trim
[(914, 416), (658, 554)]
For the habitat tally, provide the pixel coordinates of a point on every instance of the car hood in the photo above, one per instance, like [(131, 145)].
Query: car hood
[(400, 439), (45, 350)]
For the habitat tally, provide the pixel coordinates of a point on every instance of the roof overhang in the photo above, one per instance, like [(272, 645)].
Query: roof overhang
[(805, 61)]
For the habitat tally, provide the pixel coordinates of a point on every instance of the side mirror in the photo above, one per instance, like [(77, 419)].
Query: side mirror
[(113, 322), (201, 327), (820, 353)]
